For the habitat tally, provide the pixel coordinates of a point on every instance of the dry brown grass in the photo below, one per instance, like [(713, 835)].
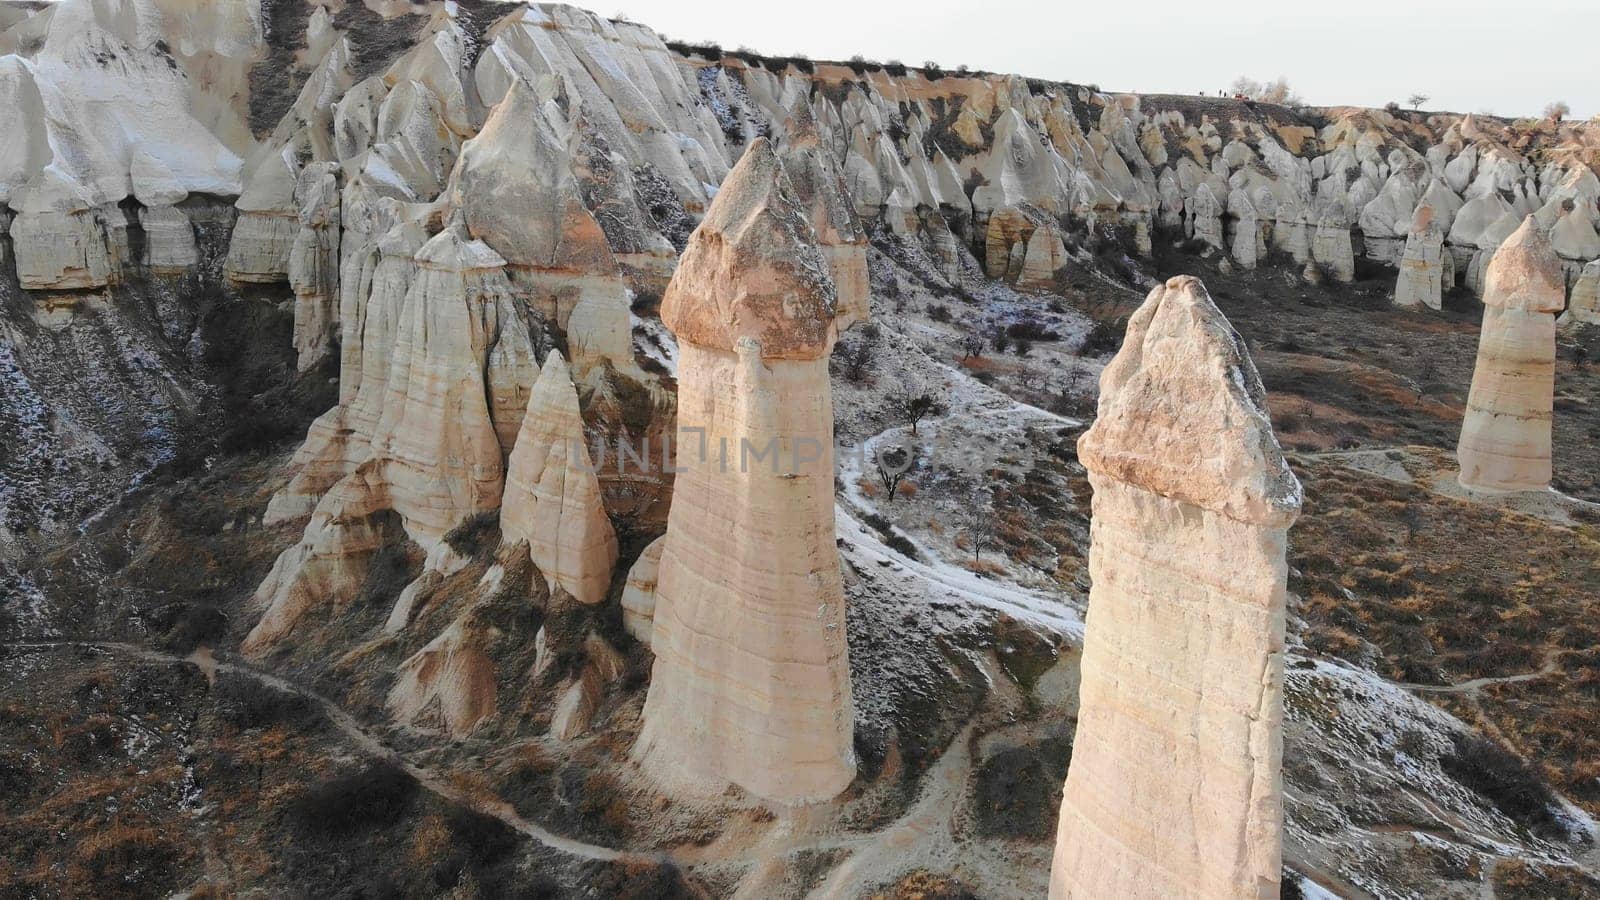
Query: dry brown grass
[(1438, 591)]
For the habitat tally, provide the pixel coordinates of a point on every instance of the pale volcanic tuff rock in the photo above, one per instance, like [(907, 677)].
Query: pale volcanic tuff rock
[(1331, 247), (552, 497), (1248, 244), (819, 185), (169, 240), (341, 438), (1205, 217), (515, 190), (314, 264), (453, 671), (1421, 279), (639, 594), (581, 694), (1175, 784), (435, 457), (60, 237), (1583, 307), (751, 684), (1505, 436), (268, 223), (93, 85)]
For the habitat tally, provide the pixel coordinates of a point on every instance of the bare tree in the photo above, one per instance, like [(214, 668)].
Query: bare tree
[(972, 344), (1557, 110), (1275, 91), (630, 501), (855, 358), (977, 520), (894, 463), (1416, 100), (912, 402)]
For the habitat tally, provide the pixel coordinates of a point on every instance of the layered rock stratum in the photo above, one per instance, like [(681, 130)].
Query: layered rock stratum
[(1175, 788)]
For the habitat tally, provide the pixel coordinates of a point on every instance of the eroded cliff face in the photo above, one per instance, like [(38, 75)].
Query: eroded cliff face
[(630, 138)]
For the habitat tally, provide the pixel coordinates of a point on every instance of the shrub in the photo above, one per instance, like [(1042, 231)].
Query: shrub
[(112, 860), (893, 539), (1032, 330), (1500, 777), (246, 703), (389, 571), (938, 312), (476, 533), (346, 804), (1104, 337), (931, 71)]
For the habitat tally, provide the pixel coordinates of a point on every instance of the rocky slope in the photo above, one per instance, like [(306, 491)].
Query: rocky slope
[(442, 230)]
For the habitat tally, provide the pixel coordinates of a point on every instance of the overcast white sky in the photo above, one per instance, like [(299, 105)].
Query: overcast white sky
[(1468, 55)]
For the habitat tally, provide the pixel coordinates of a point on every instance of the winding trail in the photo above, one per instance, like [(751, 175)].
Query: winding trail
[(365, 741), (1472, 686), (812, 828), (1002, 595)]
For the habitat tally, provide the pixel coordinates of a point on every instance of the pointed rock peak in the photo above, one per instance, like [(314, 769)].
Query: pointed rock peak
[(753, 269), (453, 251), (554, 387), (1526, 273), (53, 190), (800, 127), (520, 102), (1500, 230), (1183, 413)]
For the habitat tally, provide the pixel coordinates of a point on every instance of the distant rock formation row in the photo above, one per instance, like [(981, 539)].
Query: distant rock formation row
[(1021, 169)]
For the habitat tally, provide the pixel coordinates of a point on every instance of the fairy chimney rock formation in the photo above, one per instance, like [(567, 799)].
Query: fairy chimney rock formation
[(1505, 437), (552, 497), (751, 684), (1175, 785), (1421, 278)]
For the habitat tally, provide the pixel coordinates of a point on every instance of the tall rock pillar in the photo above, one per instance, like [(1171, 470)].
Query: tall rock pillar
[(1421, 278), (751, 684), (1175, 785), (1505, 437)]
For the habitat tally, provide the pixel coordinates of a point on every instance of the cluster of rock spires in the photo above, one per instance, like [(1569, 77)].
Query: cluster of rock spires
[(448, 224), (646, 134), (1175, 788)]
